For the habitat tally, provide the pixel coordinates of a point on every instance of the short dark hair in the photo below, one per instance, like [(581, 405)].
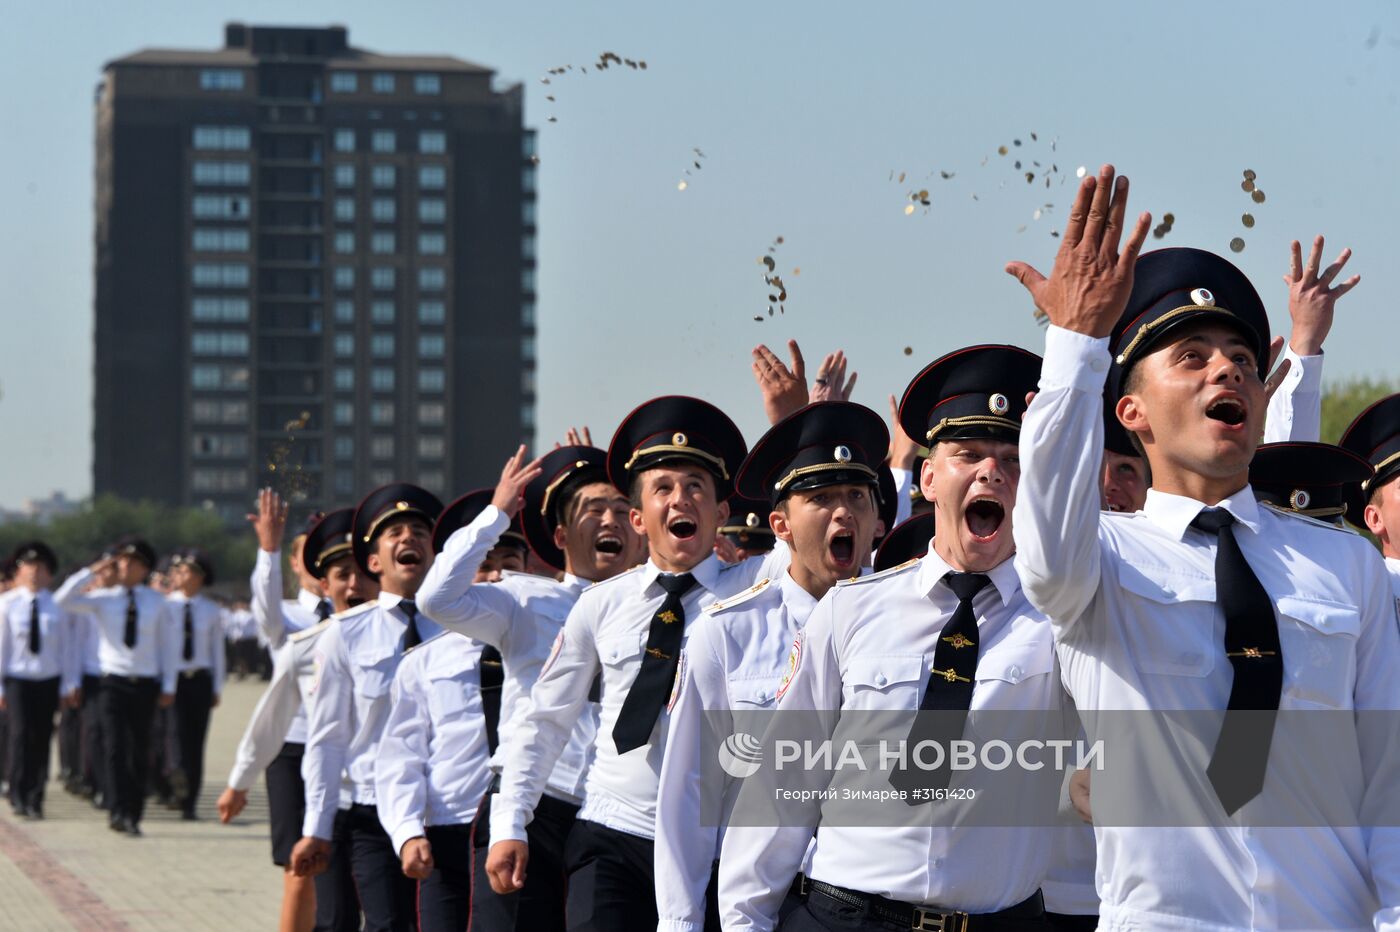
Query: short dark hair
[(1130, 383), (634, 486)]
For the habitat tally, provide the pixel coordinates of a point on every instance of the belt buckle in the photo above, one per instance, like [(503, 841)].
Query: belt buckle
[(927, 920), (803, 885)]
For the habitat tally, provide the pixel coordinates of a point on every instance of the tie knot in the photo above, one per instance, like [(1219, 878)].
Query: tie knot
[(1211, 520), (323, 609), (409, 609), (676, 585), (966, 585)]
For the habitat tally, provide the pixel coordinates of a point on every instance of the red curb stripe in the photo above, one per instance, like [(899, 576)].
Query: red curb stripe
[(73, 898)]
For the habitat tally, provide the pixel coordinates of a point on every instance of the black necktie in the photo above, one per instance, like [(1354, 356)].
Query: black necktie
[(411, 637), (493, 676), (36, 641), (948, 695), (1241, 753), (323, 610), (188, 652), (129, 636), (657, 674)]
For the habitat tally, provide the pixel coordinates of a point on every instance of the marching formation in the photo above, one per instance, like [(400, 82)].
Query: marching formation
[(570, 702)]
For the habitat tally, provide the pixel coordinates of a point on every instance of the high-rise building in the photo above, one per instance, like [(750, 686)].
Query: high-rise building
[(315, 268)]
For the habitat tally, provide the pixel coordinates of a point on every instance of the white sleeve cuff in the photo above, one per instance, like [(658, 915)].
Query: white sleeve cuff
[(1304, 372), (1074, 360), (507, 822), (404, 833), (679, 925), (319, 824)]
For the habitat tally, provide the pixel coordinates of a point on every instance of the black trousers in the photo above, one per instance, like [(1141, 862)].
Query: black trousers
[(70, 753), (127, 707), (612, 882), (194, 697), (337, 906), (1064, 922), (540, 903), (32, 706), (387, 898), (90, 740), (286, 801), (445, 898), (821, 913)]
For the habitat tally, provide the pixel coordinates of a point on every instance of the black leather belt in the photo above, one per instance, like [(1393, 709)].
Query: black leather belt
[(924, 918), (191, 674)]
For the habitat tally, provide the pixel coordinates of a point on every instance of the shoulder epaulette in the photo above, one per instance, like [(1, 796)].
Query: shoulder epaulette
[(739, 599), (1290, 513), (435, 637), (310, 632), (857, 580), (611, 579)]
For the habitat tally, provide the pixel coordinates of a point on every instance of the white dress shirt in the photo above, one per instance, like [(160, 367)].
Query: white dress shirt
[(277, 617), (869, 645), (155, 654), (432, 764), (59, 654), (904, 505), (521, 616), (1295, 410), (357, 656), (285, 700), (734, 661), (1392, 566), (1132, 601), (208, 639), (606, 631)]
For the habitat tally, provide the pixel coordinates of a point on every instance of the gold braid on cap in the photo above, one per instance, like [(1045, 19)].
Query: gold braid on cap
[(399, 509), (973, 420), (1366, 484), (332, 551), (1169, 316), (677, 448), (559, 480), (796, 474)]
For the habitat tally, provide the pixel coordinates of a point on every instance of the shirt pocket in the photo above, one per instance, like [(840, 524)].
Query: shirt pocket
[(376, 675), (1174, 632), (1014, 665), (619, 651), (750, 694), (883, 681), (1318, 638), (452, 694)]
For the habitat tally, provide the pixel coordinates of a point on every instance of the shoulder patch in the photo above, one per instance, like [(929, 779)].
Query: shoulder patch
[(678, 684), (311, 632), (553, 652), (356, 612), (1289, 513), (794, 662), (613, 579), (884, 574), (739, 599), (435, 637)]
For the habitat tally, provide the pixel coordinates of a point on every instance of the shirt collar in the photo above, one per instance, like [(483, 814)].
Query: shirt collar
[(798, 601), (1174, 513), (932, 569), (575, 583), (706, 573), (389, 602), (308, 600)]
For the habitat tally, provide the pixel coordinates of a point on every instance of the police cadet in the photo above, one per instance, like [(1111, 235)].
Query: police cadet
[(818, 469), (89, 779), (278, 617), (676, 457), (1204, 600), (950, 632), (908, 541), (746, 531), (1375, 436), (202, 668), (268, 741), (138, 652), (391, 540), (1316, 480), (39, 661)]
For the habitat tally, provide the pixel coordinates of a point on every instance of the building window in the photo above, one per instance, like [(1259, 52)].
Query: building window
[(382, 312), (378, 477), (345, 344), (227, 174), (432, 413), (527, 313), (345, 209), (432, 177), (382, 140), (527, 381), (344, 241), (527, 246), (219, 343), (220, 239), (233, 413), (382, 83), (527, 347), (344, 379), (382, 176), (343, 413), (382, 242), (528, 145), (433, 480), (432, 380), (432, 141), (219, 480), (210, 377), (221, 79), (344, 312), (381, 412), (383, 210), (220, 275), (432, 210), (344, 448), (345, 482), (215, 446), (344, 175), (343, 140), (381, 345), (431, 447), (381, 277), (226, 138), (427, 84), (344, 82), (527, 213), (527, 179), (431, 312), (431, 346), (344, 277), (381, 379), (431, 279), (220, 310), (431, 244), (527, 416), (219, 207), (527, 279)]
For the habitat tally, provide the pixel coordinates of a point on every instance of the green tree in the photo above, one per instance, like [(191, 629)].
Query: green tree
[(1342, 401)]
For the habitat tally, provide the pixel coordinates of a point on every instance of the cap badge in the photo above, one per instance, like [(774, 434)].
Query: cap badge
[(579, 464), (1202, 297), (751, 520), (680, 439), (401, 506), (842, 454), (1300, 499), (998, 404)]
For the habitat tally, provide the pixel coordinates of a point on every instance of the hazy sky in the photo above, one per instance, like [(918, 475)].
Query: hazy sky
[(803, 112)]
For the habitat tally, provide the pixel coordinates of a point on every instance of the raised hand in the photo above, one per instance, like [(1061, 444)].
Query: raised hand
[(515, 475), (1091, 280), (578, 437), (903, 450), (830, 383), (784, 390), (1311, 299), (1275, 378), (270, 521)]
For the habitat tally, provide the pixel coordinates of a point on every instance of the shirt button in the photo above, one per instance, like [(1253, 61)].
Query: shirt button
[(880, 680), (1014, 673)]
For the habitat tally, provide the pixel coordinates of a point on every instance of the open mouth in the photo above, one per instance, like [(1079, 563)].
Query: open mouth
[(681, 528), (354, 600), (1228, 411), (843, 548), (409, 558), (610, 544), (984, 517)]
